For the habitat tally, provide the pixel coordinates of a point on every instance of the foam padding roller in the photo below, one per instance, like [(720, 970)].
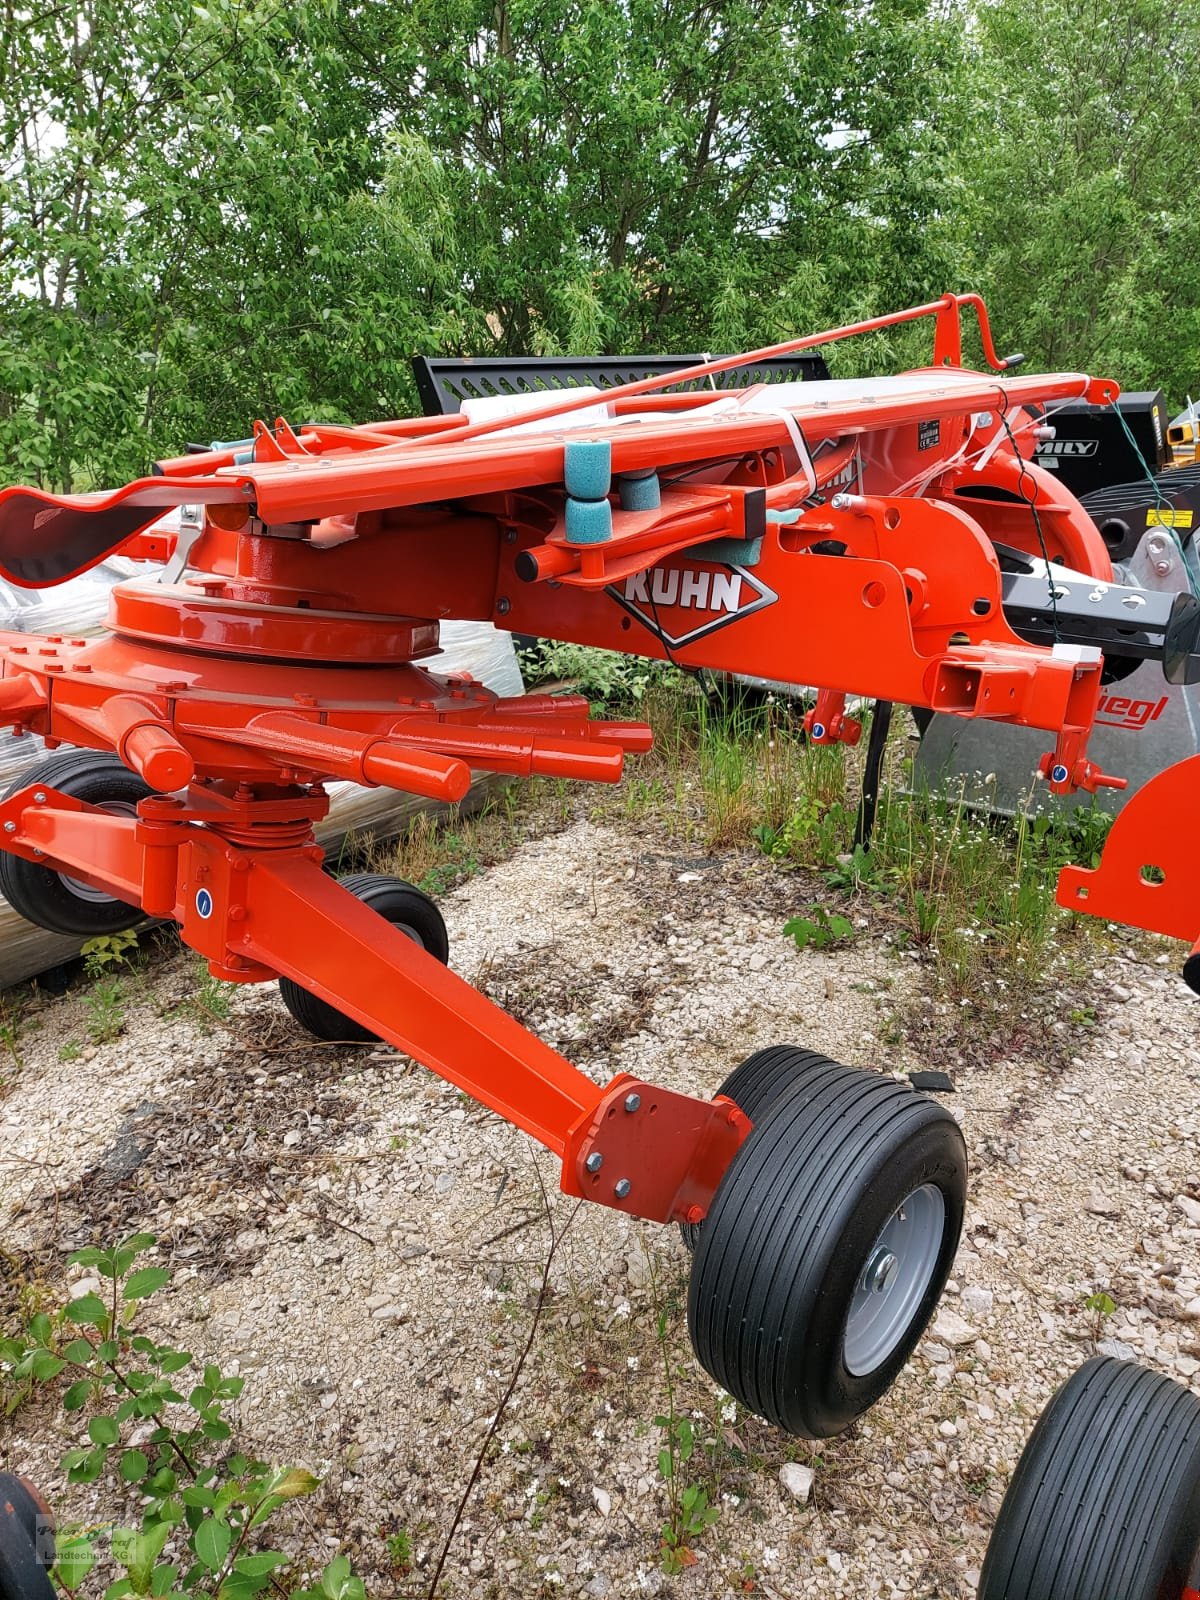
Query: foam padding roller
[(587, 468), (639, 491), (588, 521)]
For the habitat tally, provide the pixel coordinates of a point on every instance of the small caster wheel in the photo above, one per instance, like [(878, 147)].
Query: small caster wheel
[(829, 1240), (752, 1086), (55, 900), (26, 1541), (405, 908), (1105, 1501)]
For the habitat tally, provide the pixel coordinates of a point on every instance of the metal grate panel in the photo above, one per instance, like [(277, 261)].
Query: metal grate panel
[(444, 382)]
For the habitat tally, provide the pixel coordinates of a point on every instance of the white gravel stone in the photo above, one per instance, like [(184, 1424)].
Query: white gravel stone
[(797, 1480), (976, 1301), (951, 1329)]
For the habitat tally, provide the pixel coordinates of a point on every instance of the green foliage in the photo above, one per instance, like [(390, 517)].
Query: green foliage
[(108, 952), (606, 677), (820, 930), (237, 209), (216, 212), (1084, 237), (196, 1493), (689, 1513), (105, 1003), (399, 1550)]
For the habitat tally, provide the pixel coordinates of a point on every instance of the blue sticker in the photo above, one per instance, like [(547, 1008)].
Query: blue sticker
[(204, 903), (818, 730)]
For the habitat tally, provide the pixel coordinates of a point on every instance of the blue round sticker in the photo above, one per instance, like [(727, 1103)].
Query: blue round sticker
[(204, 903)]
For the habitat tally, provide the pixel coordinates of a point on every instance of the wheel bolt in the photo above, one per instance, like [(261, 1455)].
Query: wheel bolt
[(621, 1188), (594, 1162), (632, 1102), (880, 1269)]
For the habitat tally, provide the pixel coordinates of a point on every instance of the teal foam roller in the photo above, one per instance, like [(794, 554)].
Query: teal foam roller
[(587, 468), (640, 493), (588, 521)]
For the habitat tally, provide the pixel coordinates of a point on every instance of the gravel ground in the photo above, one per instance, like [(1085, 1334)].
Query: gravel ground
[(367, 1248)]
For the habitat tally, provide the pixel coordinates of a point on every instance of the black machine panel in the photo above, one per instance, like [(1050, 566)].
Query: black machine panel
[(1091, 448), (444, 382)]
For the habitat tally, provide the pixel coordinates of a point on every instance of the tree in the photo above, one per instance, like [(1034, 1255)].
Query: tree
[(1083, 225), (658, 175)]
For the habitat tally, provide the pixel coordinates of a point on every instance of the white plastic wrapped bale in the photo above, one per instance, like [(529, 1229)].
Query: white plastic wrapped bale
[(79, 608)]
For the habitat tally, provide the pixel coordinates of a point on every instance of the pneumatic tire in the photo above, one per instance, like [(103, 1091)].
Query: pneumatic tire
[(1105, 1501), (406, 908), (55, 900), (752, 1086), (26, 1541), (826, 1248)]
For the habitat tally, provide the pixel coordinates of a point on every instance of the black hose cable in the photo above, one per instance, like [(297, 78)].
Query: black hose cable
[(881, 722)]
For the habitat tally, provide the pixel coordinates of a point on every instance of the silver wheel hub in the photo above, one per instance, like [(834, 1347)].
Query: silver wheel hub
[(894, 1280)]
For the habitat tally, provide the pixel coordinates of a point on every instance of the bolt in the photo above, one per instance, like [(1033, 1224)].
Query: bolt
[(503, 606), (880, 1270), (632, 1102), (840, 502), (10, 827), (594, 1162), (621, 1188), (40, 796)]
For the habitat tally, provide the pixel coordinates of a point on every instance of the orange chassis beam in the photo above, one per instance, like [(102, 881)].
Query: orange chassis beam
[(842, 536)]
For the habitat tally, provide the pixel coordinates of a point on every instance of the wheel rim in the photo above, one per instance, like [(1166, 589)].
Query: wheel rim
[(896, 1275), (85, 891)]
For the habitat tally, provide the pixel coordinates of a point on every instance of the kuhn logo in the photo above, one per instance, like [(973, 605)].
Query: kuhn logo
[(1118, 711), (681, 604), (1068, 447)]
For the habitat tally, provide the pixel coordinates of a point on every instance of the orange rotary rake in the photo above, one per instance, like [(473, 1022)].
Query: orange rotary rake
[(889, 537)]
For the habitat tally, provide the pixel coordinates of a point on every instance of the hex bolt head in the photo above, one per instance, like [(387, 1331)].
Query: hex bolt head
[(632, 1102), (10, 827), (594, 1162), (40, 796), (621, 1188)]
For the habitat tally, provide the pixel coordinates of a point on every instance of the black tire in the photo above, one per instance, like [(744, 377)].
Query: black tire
[(753, 1085), (402, 905), (1105, 1501), (54, 900), (26, 1542), (798, 1218)]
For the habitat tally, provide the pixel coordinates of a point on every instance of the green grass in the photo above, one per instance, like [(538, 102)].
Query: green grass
[(971, 894)]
